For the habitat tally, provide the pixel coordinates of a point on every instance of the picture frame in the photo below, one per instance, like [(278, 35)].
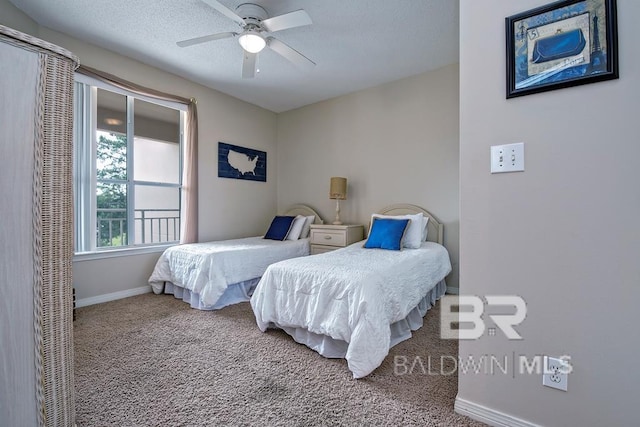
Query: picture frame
[(238, 162), (561, 44)]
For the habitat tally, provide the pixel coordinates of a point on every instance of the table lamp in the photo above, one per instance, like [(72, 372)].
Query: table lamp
[(338, 191)]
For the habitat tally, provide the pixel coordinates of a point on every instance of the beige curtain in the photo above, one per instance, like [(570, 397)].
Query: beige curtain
[(189, 224)]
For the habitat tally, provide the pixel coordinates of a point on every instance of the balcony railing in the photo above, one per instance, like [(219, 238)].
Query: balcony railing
[(151, 226), (166, 221)]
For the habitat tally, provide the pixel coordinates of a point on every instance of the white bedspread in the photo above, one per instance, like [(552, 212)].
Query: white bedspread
[(208, 268), (352, 294)]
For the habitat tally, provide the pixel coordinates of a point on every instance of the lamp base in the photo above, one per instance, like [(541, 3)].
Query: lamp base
[(337, 220)]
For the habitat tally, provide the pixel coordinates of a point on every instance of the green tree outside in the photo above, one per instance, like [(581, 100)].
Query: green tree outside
[(111, 191)]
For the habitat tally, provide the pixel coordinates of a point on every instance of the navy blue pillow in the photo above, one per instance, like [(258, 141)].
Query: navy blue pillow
[(279, 228), (387, 234)]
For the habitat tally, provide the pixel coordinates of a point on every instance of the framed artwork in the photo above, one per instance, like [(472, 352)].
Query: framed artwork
[(241, 162), (562, 44)]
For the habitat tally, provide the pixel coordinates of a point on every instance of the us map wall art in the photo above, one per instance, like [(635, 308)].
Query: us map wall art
[(241, 163)]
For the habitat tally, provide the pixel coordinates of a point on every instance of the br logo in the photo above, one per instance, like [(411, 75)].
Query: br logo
[(470, 310)]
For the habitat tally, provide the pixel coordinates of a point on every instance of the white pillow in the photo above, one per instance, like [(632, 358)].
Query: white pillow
[(296, 228), (425, 230), (307, 226), (414, 233)]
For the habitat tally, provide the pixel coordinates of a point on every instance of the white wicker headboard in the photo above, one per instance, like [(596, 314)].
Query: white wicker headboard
[(304, 210), (435, 228)]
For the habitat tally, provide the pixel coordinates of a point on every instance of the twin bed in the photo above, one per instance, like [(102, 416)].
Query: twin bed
[(212, 275), (352, 303)]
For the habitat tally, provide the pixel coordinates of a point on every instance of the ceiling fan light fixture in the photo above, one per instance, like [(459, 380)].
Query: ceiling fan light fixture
[(252, 41)]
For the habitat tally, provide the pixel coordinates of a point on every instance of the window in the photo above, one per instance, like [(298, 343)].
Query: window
[(127, 168)]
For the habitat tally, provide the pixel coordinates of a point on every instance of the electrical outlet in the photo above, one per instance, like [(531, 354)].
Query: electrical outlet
[(555, 373)]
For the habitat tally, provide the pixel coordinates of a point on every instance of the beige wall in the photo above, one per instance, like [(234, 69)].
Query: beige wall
[(12, 17), (94, 278), (564, 234), (396, 143)]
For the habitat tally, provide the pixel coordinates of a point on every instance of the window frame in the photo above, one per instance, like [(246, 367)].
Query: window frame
[(85, 170)]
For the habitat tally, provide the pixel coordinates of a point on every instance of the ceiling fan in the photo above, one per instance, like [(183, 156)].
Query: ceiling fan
[(255, 25)]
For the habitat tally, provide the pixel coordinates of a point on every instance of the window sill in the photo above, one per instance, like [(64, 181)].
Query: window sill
[(115, 253)]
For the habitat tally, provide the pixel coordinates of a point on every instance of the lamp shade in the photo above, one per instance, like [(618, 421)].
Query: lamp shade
[(338, 188)]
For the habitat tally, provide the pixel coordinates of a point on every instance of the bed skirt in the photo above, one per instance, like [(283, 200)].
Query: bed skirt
[(234, 294), (400, 330)]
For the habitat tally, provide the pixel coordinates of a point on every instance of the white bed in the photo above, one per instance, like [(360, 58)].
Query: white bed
[(355, 303), (212, 275)]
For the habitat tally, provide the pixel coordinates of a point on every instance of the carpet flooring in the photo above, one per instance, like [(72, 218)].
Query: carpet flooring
[(151, 360)]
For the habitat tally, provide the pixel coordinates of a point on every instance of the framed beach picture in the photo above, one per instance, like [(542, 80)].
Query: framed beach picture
[(562, 44)]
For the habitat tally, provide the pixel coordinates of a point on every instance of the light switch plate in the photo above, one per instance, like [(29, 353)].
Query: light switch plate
[(507, 158)]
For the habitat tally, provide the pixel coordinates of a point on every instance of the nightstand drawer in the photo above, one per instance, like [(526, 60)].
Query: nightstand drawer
[(320, 249), (328, 238)]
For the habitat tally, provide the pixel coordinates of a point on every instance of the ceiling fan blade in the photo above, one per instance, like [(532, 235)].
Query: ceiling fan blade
[(249, 65), (290, 53), (297, 18), (225, 11), (204, 39)]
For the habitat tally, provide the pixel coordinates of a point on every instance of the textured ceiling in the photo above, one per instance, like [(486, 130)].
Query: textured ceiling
[(355, 43)]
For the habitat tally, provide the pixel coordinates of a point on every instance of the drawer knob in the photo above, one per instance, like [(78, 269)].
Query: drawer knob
[(327, 237)]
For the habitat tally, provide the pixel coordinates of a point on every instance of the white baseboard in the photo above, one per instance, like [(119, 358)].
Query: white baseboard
[(113, 296), (489, 416), (453, 291)]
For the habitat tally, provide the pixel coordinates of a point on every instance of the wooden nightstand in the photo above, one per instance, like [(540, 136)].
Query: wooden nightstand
[(328, 237)]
